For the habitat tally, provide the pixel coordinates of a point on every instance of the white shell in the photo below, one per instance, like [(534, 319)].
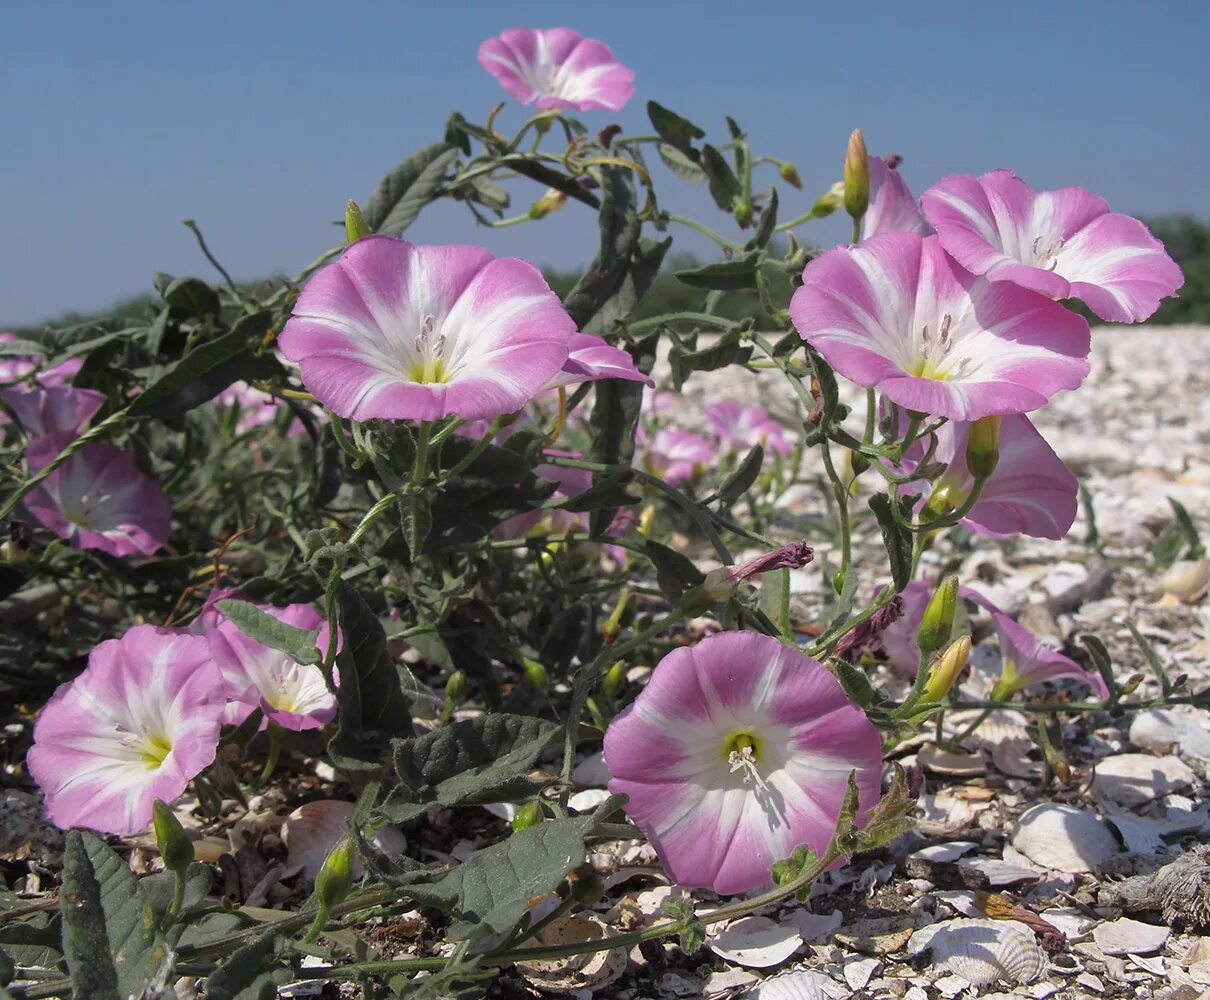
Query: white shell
[(797, 984), (1187, 580), (1161, 729), (1134, 779), (1064, 838), (575, 972), (1129, 937), (755, 942), (312, 830), (988, 951)]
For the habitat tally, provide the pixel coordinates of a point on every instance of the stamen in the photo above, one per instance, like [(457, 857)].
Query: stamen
[(744, 760)]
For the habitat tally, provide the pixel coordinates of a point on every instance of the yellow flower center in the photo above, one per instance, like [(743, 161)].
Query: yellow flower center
[(154, 750)]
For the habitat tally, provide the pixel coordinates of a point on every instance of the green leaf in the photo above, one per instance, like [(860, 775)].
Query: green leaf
[(693, 934), (8, 969), (677, 132), (21, 349), (680, 164), (675, 573), (408, 188), (209, 369), (1100, 659), (247, 973), (725, 351), (795, 866), (618, 222), (896, 537), (297, 643), (891, 817), (724, 186), (609, 492), (417, 518), (373, 708), (191, 298), (765, 225), (1188, 529), (741, 478), (110, 938), (491, 890), (486, 759), (1153, 661), (857, 685), (723, 275), (846, 821)]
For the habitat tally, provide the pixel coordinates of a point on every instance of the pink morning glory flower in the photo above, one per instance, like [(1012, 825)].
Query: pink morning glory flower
[(744, 426), (737, 751), (676, 456), (137, 725), (1028, 660), (98, 499), (557, 68), (590, 358), (1063, 243), (13, 367), (1031, 491), (293, 695), (896, 313), (52, 417), (403, 332), (892, 208)]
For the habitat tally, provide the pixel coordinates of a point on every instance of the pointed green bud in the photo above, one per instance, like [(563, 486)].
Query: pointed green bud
[(614, 680), (983, 446), (945, 669), (176, 849), (856, 176), (938, 619), (528, 815), (535, 674), (456, 686), (789, 174), (744, 212), (944, 500), (335, 878), (355, 223)]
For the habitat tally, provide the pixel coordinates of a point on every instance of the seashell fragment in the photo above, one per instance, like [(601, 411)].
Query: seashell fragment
[(1064, 838), (1160, 730), (574, 972), (755, 942), (797, 984), (1187, 580), (988, 951), (1134, 779), (313, 829), (1129, 937)]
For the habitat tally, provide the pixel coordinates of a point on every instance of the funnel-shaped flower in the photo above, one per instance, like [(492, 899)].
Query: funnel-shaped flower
[(892, 207), (52, 417), (137, 725), (896, 313), (737, 751), (1063, 243), (676, 455), (1030, 492), (744, 426), (1028, 660), (557, 68), (407, 332), (293, 695), (98, 499), (590, 358)]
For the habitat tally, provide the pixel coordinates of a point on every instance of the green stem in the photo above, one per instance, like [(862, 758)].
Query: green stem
[(201, 242), (277, 736), (722, 241)]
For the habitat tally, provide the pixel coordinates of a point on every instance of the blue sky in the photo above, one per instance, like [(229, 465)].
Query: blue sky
[(259, 119)]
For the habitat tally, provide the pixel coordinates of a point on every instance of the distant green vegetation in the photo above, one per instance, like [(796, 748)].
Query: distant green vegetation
[(1186, 237)]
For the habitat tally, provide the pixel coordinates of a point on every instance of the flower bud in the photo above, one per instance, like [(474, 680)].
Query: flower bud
[(829, 201), (456, 686), (938, 619), (856, 176), (744, 212), (944, 499), (535, 674), (613, 681), (355, 223), (527, 815), (789, 174), (335, 878), (176, 849), (945, 669), (1132, 684), (983, 446), (552, 201)]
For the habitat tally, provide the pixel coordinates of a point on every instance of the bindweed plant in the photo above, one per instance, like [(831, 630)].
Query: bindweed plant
[(414, 516)]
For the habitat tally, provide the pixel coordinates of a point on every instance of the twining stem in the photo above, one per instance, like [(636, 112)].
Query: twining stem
[(706, 231)]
